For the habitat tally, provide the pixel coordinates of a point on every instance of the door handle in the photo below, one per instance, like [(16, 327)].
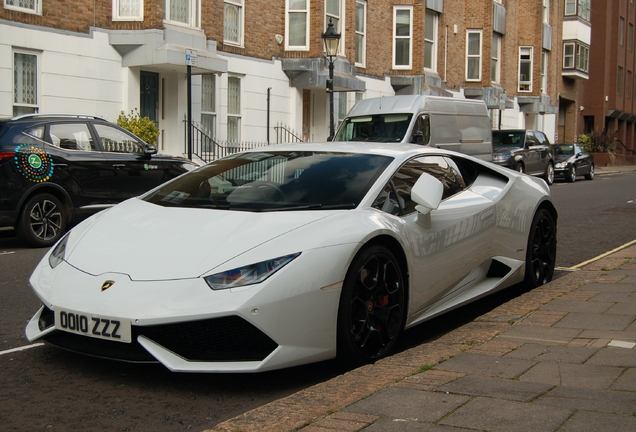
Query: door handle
[(119, 166), (60, 165)]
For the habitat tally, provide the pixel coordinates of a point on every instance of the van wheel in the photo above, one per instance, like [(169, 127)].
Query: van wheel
[(42, 221)]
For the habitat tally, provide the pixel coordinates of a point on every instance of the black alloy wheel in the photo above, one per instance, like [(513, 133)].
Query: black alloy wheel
[(541, 251), (372, 307), (42, 221)]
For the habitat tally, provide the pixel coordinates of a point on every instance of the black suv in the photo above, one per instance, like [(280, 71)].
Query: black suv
[(527, 151), (59, 168)]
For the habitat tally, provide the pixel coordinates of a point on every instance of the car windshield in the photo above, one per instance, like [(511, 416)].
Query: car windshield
[(567, 150), (275, 181), (508, 138), (376, 128)]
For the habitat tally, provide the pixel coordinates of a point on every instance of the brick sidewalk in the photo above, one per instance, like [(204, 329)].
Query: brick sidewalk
[(557, 357)]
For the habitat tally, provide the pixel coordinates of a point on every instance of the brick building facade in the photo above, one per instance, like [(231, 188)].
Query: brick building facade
[(261, 63)]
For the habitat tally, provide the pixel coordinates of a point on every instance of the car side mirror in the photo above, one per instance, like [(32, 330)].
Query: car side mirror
[(427, 193), (150, 149), (417, 137)]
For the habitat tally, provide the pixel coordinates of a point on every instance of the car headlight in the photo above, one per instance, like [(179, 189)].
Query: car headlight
[(57, 256), (561, 165), (250, 274), (501, 157)]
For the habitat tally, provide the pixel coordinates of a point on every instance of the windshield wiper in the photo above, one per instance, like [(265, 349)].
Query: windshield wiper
[(346, 206)]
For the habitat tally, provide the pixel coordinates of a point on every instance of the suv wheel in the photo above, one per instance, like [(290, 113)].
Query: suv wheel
[(42, 221), (549, 174)]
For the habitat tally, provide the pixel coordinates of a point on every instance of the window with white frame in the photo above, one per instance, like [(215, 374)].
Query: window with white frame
[(25, 83), (580, 8), (186, 12), (361, 32), (525, 69), (544, 71), (495, 71), (27, 6), (208, 104), (296, 26), (233, 22), (128, 10), (473, 55), (334, 12), (576, 56), (430, 40), (402, 37), (583, 57), (233, 109), (568, 55), (546, 11)]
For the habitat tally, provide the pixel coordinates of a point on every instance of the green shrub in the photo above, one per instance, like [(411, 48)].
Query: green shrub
[(598, 141), (143, 127)]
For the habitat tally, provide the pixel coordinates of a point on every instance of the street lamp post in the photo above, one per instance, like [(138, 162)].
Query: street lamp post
[(332, 40)]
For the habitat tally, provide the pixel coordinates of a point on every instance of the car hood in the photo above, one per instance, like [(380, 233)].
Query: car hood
[(504, 150), (151, 242), (562, 158)]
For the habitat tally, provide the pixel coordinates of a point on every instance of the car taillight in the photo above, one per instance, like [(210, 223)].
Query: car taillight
[(6, 155)]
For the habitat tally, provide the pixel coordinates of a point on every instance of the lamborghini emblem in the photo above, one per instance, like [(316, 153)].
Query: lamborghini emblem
[(107, 284)]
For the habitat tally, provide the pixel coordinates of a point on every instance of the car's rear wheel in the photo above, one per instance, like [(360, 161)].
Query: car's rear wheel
[(571, 176), (372, 307), (521, 168), (42, 221), (549, 174), (541, 251), (590, 175)]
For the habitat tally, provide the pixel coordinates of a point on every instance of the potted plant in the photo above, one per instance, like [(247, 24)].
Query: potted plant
[(601, 144)]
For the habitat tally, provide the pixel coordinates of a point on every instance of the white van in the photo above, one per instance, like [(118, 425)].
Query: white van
[(462, 125)]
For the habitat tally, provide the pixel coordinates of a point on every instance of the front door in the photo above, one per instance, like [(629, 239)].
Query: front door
[(149, 96)]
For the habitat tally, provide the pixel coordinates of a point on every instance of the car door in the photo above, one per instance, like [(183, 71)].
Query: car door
[(581, 160), (542, 149), (533, 153), (79, 165), (133, 172), (456, 241)]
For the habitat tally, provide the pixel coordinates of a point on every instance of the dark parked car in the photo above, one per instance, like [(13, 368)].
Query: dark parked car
[(57, 168), (571, 160), (527, 151)]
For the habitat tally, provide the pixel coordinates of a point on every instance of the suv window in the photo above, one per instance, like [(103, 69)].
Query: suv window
[(117, 141), (71, 136), (395, 198)]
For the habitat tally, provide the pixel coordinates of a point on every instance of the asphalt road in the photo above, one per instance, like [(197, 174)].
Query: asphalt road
[(43, 388)]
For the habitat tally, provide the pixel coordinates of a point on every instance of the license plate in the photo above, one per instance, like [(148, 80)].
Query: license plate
[(97, 326)]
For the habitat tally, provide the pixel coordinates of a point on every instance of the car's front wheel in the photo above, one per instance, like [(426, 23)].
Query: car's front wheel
[(372, 307), (590, 175), (541, 250), (549, 174), (42, 221), (571, 176)]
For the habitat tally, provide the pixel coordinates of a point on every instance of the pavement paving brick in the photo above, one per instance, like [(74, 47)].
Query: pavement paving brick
[(587, 321), (620, 357), (405, 425), (331, 423), (496, 347), (498, 415), (627, 381), (500, 388), (590, 399), (409, 404), (623, 309), (627, 297), (628, 334), (580, 306), (580, 295), (591, 421), (566, 354), (429, 380), (543, 318), (572, 375), (528, 351), (608, 287), (540, 335), (503, 367)]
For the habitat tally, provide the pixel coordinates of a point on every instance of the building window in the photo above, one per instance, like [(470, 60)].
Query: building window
[(430, 40), (495, 71), (208, 104), (568, 55), (25, 83), (27, 6), (628, 84), (335, 14), (621, 30), (546, 11), (473, 55), (361, 35), (576, 56), (583, 58), (297, 28), (233, 22), (186, 12), (233, 109), (128, 10), (630, 37), (579, 8), (525, 69), (544, 72), (619, 81), (402, 35)]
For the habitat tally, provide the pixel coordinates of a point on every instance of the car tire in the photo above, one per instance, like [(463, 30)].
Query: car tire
[(541, 250), (590, 175), (571, 174), (520, 168), (372, 308), (549, 174), (42, 221)]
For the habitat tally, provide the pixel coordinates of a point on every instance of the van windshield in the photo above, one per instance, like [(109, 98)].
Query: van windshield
[(376, 128)]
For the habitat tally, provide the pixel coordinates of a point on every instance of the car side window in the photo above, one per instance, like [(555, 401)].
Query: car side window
[(395, 198), (71, 136), (422, 130), (541, 138), (117, 141)]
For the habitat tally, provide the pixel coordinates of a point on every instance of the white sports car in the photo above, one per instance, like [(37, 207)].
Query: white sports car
[(291, 254)]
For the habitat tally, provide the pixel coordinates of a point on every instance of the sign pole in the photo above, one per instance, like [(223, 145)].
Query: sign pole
[(190, 60)]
